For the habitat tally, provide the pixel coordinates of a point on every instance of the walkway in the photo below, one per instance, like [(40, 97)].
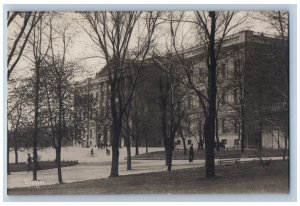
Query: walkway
[(95, 168)]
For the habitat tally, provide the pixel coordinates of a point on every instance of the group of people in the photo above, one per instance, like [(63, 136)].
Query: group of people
[(102, 145), (220, 145), (92, 154)]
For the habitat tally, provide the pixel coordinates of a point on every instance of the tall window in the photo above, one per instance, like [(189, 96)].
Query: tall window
[(236, 67)]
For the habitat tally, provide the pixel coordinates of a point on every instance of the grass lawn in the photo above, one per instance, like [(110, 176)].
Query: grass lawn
[(178, 154), (43, 165), (247, 177)]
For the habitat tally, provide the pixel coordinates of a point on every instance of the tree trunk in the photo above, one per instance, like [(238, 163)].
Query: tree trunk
[(117, 117), (115, 158), (183, 142), (137, 143), (169, 158), (200, 133), (128, 147), (165, 135), (59, 136), (16, 156), (209, 152), (167, 155), (210, 124), (146, 144), (115, 148), (58, 163), (16, 147), (36, 124), (243, 130), (217, 129)]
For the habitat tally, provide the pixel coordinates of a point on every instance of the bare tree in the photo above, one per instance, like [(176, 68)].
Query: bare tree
[(40, 46), (17, 111), (171, 102), (29, 21), (57, 84), (213, 27), (112, 33), (128, 130), (81, 114), (279, 21), (59, 99)]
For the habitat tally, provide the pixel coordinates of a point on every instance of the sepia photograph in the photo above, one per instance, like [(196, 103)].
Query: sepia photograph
[(114, 102)]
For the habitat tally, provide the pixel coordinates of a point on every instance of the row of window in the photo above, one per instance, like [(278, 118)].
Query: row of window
[(229, 97), (223, 69), (226, 98), (228, 125)]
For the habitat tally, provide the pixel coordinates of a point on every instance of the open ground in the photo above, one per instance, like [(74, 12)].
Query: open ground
[(244, 178), (149, 176)]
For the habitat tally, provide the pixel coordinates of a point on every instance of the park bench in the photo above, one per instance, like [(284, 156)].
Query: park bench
[(229, 159)]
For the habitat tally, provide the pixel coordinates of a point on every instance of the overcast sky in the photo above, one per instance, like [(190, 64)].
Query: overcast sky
[(84, 51)]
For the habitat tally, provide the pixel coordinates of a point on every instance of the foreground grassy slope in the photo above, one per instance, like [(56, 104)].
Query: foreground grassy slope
[(248, 177)]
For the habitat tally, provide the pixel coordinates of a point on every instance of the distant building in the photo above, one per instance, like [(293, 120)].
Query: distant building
[(252, 72), (252, 98), (145, 118)]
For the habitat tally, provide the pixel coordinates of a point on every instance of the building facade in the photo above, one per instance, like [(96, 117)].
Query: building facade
[(252, 98)]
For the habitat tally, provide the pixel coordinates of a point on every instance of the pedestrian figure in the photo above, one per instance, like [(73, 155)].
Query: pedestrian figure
[(107, 152), (29, 161), (92, 152), (222, 145), (191, 153)]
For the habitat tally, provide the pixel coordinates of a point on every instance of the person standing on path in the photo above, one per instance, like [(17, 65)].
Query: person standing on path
[(191, 153), (29, 161), (92, 152)]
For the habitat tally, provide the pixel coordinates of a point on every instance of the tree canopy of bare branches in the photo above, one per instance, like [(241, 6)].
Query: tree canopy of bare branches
[(113, 33)]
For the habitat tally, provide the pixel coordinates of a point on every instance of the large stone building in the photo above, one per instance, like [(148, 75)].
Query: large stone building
[(145, 118), (252, 99)]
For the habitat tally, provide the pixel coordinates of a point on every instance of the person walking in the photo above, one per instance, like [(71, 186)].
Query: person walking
[(92, 152), (191, 153), (29, 161)]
